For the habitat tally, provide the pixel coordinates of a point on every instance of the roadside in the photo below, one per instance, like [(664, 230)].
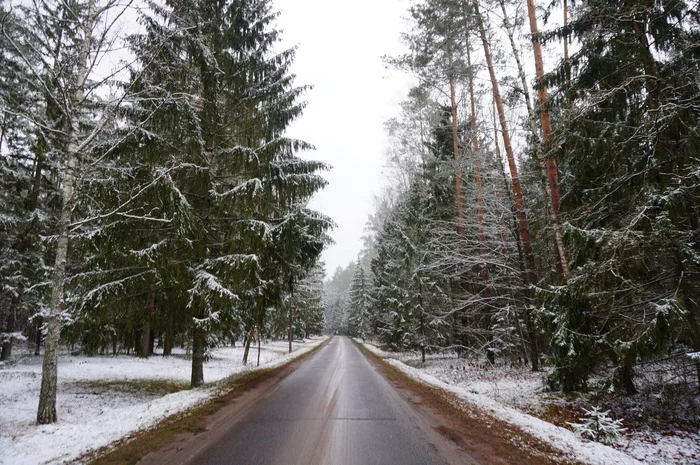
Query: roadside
[(479, 434), (513, 395), (107, 400)]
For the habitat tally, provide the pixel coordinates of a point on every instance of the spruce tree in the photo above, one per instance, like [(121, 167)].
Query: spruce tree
[(629, 167)]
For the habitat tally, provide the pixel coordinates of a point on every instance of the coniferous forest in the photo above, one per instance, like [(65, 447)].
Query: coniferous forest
[(158, 198), (543, 194), (541, 203)]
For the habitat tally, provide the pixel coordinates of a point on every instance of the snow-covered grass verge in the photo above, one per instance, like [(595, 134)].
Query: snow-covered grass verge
[(103, 399), (514, 395)]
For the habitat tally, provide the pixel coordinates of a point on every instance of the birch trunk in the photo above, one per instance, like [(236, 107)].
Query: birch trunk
[(49, 372)]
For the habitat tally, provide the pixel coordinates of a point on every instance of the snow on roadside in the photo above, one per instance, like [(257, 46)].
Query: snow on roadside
[(93, 417), (562, 439)]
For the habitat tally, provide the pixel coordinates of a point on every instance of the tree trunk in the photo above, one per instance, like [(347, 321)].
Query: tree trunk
[(455, 149), (47, 397), (477, 167), (422, 323), (246, 350), (624, 375), (146, 335), (39, 337), (551, 170), (11, 322), (291, 329), (515, 181), (152, 343), (145, 339), (198, 342), (567, 71), (258, 348), (169, 343)]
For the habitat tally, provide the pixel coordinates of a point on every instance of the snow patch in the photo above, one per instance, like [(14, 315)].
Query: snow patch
[(562, 439), (91, 417)]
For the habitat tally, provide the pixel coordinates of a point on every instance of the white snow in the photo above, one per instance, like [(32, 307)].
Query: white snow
[(560, 438), (92, 416)]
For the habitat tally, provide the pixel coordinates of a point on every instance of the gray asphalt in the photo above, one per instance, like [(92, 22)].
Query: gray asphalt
[(336, 408)]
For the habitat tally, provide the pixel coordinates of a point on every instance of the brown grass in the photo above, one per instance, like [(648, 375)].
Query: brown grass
[(154, 387)]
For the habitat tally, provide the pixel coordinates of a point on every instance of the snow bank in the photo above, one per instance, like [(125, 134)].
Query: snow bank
[(92, 416), (562, 439)]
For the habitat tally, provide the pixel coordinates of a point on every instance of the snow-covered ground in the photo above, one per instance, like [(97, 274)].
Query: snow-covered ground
[(515, 395), (103, 399)]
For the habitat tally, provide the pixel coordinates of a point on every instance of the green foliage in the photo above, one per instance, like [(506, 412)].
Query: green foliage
[(566, 316)]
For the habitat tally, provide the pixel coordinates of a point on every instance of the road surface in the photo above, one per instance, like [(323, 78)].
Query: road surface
[(335, 409)]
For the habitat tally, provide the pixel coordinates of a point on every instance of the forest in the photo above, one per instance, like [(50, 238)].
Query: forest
[(540, 207), (543, 195), (148, 189)]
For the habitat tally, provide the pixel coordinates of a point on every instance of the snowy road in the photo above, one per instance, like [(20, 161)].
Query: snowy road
[(336, 408)]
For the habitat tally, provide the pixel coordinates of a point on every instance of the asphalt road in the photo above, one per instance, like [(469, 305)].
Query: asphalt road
[(335, 409)]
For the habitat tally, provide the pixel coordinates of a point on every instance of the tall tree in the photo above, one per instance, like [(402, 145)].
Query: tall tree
[(515, 180), (238, 187), (630, 186)]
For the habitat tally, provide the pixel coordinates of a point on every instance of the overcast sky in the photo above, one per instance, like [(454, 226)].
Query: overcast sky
[(340, 45)]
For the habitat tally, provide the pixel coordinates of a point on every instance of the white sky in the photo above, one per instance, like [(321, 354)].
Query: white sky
[(340, 45)]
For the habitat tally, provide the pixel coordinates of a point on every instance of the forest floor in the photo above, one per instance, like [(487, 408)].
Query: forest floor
[(516, 395), (103, 399)]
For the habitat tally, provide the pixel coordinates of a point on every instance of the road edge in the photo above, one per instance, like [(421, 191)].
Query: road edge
[(130, 449), (470, 425)]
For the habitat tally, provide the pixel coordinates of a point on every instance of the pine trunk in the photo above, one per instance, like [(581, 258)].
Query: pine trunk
[(551, 170), (515, 179), (515, 182)]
